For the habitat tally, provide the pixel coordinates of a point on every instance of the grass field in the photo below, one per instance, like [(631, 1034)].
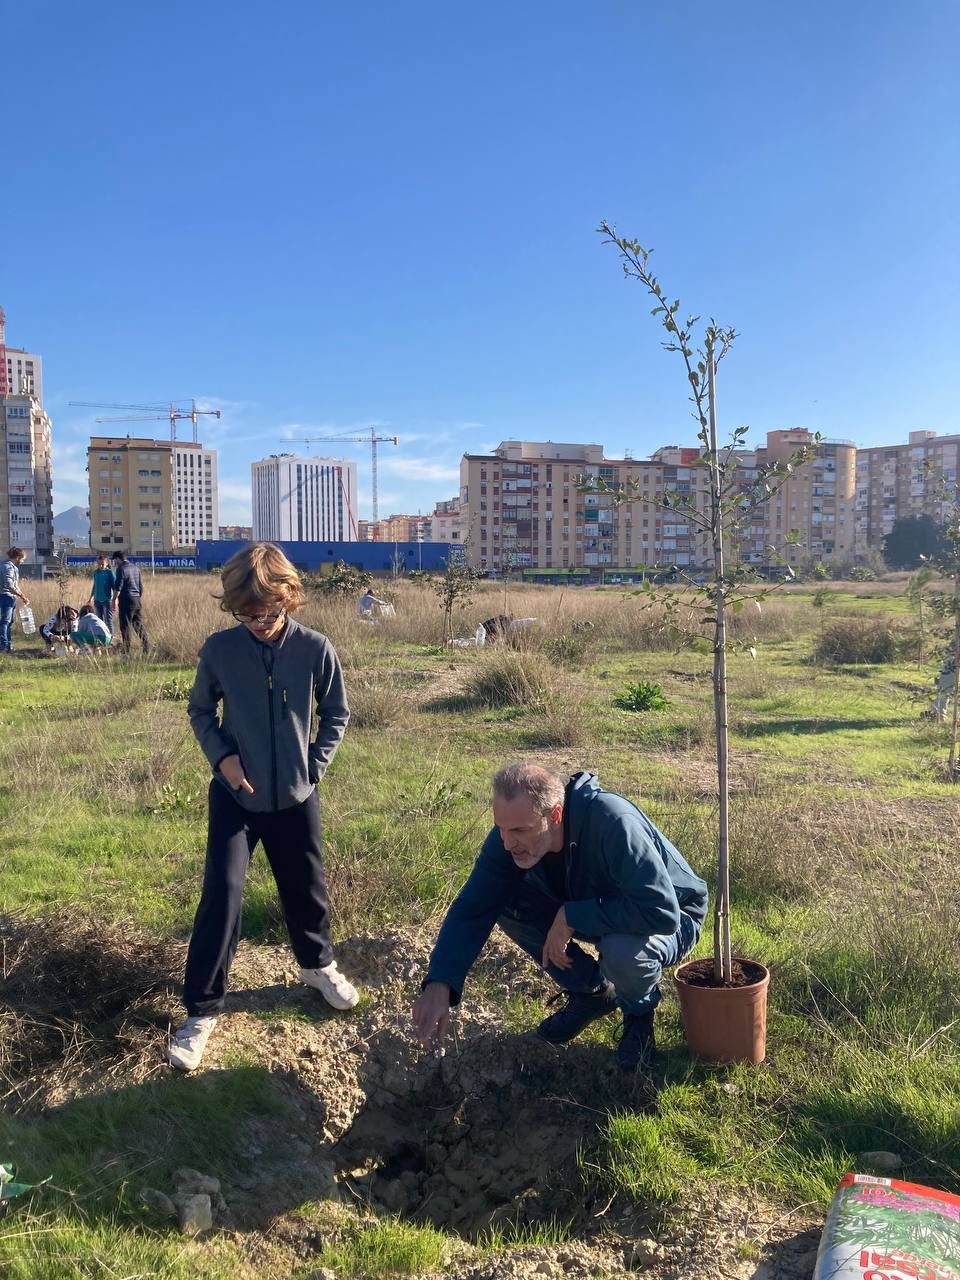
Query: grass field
[(844, 846)]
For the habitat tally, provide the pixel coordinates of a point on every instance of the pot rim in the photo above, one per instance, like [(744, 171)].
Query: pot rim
[(762, 981)]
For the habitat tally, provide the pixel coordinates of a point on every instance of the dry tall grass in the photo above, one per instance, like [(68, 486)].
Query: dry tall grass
[(181, 610)]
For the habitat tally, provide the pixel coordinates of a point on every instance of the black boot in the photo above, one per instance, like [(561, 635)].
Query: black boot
[(578, 1012), (636, 1043)]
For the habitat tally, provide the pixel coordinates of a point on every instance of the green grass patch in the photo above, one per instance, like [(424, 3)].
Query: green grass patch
[(387, 1248), (98, 1151)]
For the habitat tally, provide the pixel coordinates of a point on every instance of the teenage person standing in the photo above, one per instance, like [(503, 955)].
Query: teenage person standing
[(266, 676)]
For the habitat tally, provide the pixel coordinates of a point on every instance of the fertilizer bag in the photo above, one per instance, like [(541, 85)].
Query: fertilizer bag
[(883, 1229)]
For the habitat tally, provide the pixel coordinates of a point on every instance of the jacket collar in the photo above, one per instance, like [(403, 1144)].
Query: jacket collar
[(581, 789)]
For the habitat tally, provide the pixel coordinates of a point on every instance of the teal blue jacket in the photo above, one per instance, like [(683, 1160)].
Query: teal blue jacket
[(102, 587), (624, 876)]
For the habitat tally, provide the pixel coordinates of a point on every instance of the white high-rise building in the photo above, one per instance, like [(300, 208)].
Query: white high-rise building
[(24, 373), (304, 499), (195, 493), (26, 502)]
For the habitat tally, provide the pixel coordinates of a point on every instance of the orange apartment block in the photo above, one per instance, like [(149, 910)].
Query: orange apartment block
[(521, 508), (902, 480)]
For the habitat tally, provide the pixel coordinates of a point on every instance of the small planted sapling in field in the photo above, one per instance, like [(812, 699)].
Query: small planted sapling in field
[(723, 514)]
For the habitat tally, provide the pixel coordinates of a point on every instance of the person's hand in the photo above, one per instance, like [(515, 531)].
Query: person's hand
[(24, 601), (555, 947), (431, 1014), (232, 770)]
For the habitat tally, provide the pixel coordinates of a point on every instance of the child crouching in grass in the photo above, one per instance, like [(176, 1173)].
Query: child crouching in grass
[(91, 631), (264, 675)]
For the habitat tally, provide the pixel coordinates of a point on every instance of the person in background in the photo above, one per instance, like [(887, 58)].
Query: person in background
[(101, 591), (91, 629), (943, 690), (10, 593), (127, 595), (59, 625), (257, 688), (369, 606)]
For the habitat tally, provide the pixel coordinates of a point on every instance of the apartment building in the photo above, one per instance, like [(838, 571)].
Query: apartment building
[(396, 528), (445, 522), (521, 507), (196, 502), (902, 480), (131, 494), (150, 495), (24, 372), (26, 498), (816, 500), (304, 499)]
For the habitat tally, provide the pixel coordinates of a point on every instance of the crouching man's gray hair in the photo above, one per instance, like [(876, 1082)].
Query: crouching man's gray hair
[(545, 789)]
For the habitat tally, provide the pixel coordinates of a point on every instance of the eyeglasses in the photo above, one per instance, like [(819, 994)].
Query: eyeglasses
[(262, 619)]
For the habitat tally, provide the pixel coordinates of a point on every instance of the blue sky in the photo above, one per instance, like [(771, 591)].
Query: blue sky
[(323, 217)]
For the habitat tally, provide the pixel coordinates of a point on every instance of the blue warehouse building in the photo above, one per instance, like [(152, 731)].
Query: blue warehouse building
[(374, 557)]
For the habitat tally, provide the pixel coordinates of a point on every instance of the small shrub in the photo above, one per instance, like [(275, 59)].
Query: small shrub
[(566, 649), (644, 695), (374, 703), (176, 689), (564, 721), (861, 573), (342, 580), (508, 679), (170, 799), (858, 640)]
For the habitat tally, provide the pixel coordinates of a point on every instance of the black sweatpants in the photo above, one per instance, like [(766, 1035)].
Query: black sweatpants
[(293, 842), (131, 618)]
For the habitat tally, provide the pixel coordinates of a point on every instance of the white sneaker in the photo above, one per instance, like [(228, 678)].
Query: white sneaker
[(332, 985), (185, 1047)]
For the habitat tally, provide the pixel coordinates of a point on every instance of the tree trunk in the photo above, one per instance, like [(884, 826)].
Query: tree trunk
[(955, 726), (722, 958)]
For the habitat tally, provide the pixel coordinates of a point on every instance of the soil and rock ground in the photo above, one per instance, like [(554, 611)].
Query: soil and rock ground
[(493, 1141)]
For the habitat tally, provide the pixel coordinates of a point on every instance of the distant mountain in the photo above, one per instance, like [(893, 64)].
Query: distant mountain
[(73, 523)]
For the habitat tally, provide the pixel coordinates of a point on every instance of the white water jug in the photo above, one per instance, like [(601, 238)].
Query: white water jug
[(26, 620)]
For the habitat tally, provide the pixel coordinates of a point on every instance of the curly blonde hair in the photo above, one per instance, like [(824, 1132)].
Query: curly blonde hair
[(260, 576)]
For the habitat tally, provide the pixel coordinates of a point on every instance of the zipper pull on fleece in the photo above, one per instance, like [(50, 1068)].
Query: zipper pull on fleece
[(269, 681), (284, 704)]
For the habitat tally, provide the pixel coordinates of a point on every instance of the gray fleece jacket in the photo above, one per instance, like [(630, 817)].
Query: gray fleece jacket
[(268, 693)]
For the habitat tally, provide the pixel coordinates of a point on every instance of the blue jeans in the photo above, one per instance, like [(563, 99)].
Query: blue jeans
[(104, 611), (633, 963), (8, 604)]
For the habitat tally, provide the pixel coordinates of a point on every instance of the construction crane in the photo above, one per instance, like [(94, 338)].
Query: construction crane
[(153, 413), (373, 439)]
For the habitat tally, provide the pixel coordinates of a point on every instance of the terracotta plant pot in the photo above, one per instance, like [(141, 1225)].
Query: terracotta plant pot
[(725, 1024)]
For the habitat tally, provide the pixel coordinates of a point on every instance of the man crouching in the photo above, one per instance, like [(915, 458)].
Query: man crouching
[(568, 860)]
